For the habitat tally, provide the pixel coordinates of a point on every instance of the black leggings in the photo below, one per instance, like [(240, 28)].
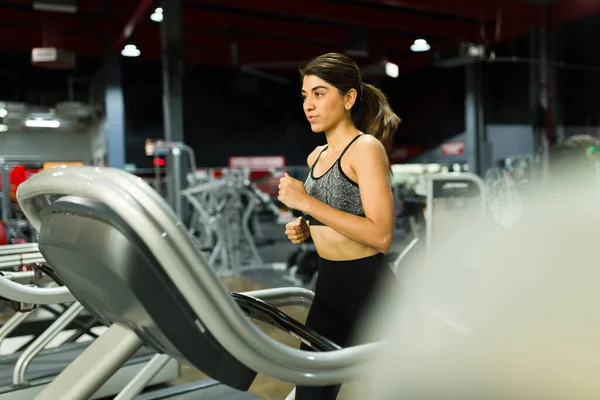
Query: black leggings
[(342, 291)]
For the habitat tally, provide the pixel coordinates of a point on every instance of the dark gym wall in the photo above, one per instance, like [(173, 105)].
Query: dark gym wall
[(41, 86), (230, 113), (579, 79), (506, 93), (142, 96), (429, 102), (227, 112)]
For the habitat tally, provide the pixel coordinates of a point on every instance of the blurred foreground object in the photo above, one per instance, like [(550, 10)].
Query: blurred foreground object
[(495, 313)]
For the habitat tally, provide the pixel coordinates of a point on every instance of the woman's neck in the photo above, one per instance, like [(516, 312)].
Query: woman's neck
[(338, 136)]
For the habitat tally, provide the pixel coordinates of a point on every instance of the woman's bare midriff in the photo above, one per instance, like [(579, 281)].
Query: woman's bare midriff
[(332, 245)]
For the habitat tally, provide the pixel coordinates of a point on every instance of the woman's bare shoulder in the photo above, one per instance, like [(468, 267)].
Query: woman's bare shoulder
[(312, 157)]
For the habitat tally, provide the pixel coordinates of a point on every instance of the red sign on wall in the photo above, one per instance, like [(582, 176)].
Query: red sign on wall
[(257, 163), (403, 152), (453, 148)]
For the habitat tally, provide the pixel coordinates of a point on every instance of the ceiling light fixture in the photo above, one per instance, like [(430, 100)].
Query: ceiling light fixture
[(130, 51), (157, 16), (420, 45), (3, 112), (392, 69), (42, 123), (60, 6)]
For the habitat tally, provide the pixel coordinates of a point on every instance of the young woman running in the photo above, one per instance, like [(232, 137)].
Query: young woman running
[(346, 199)]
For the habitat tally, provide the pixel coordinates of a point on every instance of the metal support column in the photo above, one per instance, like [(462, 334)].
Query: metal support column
[(115, 114), (477, 146), (172, 74), (6, 201), (548, 80), (554, 50), (104, 357), (544, 93)]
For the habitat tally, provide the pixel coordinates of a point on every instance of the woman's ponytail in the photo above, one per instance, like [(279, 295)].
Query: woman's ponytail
[(375, 116)]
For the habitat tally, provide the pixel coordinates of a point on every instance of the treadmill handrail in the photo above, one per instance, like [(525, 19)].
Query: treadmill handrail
[(265, 312), (42, 341), (34, 295), (157, 225), (24, 248), (4, 265), (285, 296)]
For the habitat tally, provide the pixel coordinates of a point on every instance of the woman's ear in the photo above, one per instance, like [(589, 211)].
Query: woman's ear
[(350, 99)]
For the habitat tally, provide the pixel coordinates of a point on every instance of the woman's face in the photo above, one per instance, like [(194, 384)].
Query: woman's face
[(323, 105)]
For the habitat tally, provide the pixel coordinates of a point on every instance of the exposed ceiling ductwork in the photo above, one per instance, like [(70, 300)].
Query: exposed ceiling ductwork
[(19, 117), (60, 6)]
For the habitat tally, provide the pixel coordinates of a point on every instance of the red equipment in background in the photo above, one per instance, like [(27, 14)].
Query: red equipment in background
[(3, 235), (17, 175), (13, 228)]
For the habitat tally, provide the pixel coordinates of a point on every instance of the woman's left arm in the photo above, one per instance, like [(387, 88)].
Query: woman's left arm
[(375, 230)]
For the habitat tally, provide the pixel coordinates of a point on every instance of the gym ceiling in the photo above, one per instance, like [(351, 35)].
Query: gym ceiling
[(274, 33), (271, 36)]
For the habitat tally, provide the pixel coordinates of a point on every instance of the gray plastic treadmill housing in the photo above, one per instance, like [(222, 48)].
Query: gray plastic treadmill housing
[(113, 274)]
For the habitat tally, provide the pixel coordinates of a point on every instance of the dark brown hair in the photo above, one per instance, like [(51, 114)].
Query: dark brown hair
[(371, 112)]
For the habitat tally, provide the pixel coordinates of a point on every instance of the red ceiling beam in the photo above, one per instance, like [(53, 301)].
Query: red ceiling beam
[(22, 38), (91, 45), (87, 6), (69, 23), (563, 11), (207, 20), (93, 6), (141, 10), (147, 38), (248, 24), (212, 47), (349, 14), (19, 2), (558, 13), (239, 28), (254, 50), (474, 9)]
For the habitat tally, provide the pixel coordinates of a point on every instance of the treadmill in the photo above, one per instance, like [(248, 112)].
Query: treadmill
[(24, 374), (49, 364), (127, 258)]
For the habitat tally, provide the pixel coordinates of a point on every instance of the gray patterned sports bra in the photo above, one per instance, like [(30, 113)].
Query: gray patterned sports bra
[(334, 188)]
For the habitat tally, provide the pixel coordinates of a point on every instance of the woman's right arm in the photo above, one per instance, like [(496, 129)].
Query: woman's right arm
[(298, 231)]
